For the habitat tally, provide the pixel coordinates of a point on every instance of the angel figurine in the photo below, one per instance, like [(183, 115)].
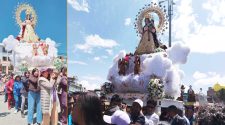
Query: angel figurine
[(35, 50)]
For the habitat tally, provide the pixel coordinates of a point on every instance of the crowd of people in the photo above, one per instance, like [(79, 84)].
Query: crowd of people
[(89, 109), (42, 91)]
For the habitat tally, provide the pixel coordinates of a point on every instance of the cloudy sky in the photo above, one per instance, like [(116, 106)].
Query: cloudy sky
[(51, 20), (99, 29)]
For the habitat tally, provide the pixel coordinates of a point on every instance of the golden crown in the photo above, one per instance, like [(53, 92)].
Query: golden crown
[(28, 11), (148, 16)]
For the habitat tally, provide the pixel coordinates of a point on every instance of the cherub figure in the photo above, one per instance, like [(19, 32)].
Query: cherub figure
[(137, 66), (35, 50), (122, 66), (44, 48)]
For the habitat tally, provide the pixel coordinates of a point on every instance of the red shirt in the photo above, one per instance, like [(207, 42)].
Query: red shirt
[(9, 86)]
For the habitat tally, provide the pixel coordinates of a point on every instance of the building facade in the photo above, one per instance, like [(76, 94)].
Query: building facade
[(211, 95), (74, 85), (5, 64)]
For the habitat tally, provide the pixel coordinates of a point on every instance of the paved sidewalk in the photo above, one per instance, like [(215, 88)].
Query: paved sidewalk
[(7, 117)]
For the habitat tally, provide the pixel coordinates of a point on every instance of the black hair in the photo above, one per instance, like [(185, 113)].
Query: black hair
[(153, 102), (116, 98), (34, 70), (172, 108), (47, 77), (103, 97), (27, 72), (63, 68), (17, 77), (90, 107)]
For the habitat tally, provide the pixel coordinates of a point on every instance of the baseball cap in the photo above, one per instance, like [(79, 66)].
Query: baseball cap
[(43, 69), (140, 102), (118, 118)]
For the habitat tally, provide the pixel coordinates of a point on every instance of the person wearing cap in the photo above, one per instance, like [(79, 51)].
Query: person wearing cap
[(50, 105), (136, 116), (175, 118), (34, 98), (151, 115), (117, 118), (115, 104)]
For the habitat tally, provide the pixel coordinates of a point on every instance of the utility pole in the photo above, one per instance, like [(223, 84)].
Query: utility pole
[(169, 14)]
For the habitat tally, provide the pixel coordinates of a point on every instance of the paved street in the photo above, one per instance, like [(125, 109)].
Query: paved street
[(7, 117)]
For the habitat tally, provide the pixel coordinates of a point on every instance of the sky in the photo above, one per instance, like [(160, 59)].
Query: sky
[(52, 21), (99, 29)]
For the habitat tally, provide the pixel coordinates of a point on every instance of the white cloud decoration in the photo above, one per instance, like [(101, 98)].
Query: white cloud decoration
[(24, 52), (164, 67)]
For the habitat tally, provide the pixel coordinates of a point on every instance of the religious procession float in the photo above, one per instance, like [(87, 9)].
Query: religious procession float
[(28, 50), (152, 71)]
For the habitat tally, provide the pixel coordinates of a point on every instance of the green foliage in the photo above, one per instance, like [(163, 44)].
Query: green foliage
[(221, 95), (58, 63)]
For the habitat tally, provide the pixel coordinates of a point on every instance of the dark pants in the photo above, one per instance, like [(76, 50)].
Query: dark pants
[(64, 115), (63, 104), (6, 97)]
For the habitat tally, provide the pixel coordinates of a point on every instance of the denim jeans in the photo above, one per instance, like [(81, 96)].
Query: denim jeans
[(34, 98), (17, 101)]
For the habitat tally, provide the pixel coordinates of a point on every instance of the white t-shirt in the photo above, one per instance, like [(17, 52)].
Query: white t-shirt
[(154, 118)]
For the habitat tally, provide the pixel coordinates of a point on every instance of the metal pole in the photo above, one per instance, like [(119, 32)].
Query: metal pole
[(170, 2)]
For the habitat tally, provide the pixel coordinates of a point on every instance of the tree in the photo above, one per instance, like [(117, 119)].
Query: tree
[(221, 95)]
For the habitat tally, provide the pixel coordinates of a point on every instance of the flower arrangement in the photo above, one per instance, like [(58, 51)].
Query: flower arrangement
[(23, 67), (155, 88), (211, 115), (58, 63)]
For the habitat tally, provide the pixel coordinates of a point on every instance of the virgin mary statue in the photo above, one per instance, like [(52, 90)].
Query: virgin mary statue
[(27, 33), (148, 41)]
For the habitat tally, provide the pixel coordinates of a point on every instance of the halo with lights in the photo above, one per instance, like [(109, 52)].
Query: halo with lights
[(152, 8), (28, 10)]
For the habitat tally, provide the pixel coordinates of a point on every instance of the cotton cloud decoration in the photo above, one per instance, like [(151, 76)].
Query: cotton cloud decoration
[(24, 52), (10, 43), (164, 65), (178, 53)]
